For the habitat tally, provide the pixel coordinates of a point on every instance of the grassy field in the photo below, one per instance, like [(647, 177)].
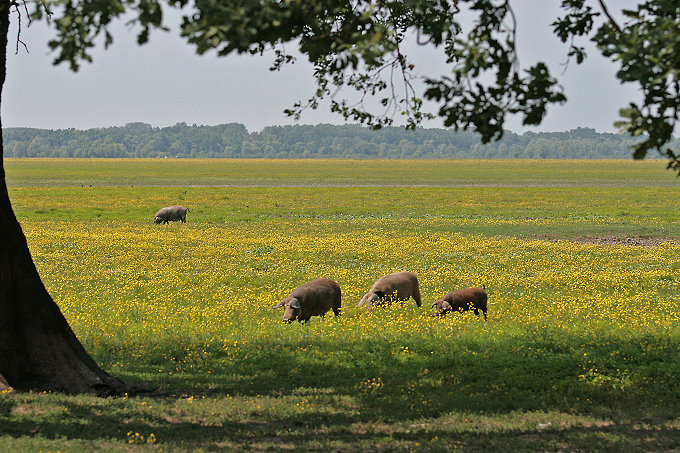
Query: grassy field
[(581, 351), (328, 172)]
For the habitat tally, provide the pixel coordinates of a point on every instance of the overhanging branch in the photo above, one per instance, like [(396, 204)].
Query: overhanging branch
[(609, 16)]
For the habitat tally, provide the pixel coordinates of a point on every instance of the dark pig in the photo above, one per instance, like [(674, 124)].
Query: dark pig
[(313, 298), (462, 300)]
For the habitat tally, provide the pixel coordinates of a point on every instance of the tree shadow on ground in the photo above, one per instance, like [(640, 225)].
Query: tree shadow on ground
[(88, 423), (637, 377), (621, 395)]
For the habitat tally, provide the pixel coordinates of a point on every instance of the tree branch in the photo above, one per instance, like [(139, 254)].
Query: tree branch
[(19, 41), (606, 13)]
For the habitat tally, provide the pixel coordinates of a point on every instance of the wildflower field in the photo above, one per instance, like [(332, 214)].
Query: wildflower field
[(581, 260)]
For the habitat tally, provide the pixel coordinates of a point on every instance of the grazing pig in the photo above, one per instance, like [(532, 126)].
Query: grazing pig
[(397, 286), (462, 300), (313, 298), (171, 214)]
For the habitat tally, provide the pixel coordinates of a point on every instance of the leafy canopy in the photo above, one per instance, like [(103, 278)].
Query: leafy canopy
[(359, 44)]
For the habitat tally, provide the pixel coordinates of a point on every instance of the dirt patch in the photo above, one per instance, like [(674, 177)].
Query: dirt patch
[(27, 410), (630, 241), (640, 241)]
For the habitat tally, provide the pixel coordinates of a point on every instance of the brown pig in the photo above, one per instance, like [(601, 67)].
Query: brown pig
[(398, 286), (462, 300), (313, 298)]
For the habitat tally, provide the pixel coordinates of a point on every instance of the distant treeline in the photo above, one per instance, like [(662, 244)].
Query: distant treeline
[(302, 141)]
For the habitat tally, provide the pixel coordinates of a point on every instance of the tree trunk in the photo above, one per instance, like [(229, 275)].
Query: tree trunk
[(38, 349)]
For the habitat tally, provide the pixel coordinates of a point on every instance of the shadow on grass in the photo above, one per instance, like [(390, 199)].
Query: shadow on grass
[(604, 395), (603, 377), (89, 423)]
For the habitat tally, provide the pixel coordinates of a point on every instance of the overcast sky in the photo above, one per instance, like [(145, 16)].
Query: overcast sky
[(164, 82)]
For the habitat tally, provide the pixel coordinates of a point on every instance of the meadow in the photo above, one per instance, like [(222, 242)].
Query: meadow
[(581, 351)]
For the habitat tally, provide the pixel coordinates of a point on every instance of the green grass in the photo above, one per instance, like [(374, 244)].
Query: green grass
[(317, 172), (580, 352), (548, 212)]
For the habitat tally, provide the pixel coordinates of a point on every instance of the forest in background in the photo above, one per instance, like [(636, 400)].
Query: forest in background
[(308, 141)]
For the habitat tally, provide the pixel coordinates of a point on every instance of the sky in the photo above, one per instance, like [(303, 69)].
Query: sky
[(164, 82)]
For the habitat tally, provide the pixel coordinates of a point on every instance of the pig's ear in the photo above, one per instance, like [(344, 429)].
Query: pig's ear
[(294, 303), (280, 304), (446, 305)]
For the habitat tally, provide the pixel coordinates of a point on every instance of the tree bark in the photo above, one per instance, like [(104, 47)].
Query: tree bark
[(38, 349)]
